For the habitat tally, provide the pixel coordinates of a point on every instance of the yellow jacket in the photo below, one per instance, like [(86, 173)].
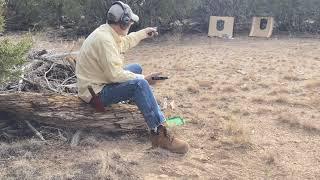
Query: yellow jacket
[(101, 61)]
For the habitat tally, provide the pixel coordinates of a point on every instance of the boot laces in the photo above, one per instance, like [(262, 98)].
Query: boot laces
[(168, 134)]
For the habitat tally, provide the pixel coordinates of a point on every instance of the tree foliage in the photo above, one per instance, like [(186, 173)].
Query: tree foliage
[(82, 16), (12, 57), (11, 54), (1, 15)]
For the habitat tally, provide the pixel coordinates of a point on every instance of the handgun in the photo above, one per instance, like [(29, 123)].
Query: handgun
[(157, 78)]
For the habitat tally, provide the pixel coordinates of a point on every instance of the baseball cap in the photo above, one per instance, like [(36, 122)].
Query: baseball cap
[(116, 11)]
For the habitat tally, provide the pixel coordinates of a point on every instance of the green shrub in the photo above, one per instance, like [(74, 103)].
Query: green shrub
[(1, 15), (12, 57), (164, 12), (32, 14), (82, 16)]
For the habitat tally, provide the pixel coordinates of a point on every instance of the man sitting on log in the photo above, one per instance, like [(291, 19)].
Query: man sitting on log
[(100, 66)]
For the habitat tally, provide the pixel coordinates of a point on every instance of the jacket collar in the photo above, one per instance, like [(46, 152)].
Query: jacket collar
[(115, 35)]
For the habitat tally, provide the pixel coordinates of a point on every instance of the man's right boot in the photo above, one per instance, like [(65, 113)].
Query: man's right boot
[(163, 139)]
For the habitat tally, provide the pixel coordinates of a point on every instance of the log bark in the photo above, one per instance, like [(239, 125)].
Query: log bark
[(70, 111)]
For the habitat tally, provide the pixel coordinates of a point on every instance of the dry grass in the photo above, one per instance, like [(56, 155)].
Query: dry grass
[(236, 111), (314, 101), (270, 162), (236, 123), (294, 122), (292, 78), (264, 85), (236, 133), (281, 100), (89, 141), (22, 148), (22, 169), (288, 119), (263, 111), (96, 164), (285, 101), (269, 159), (278, 92), (311, 84), (228, 89), (42, 41), (111, 165), (193, 89), (178, 67), (205, 84), (258, 100)]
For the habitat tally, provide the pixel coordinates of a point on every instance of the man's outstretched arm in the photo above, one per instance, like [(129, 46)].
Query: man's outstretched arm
[(134, 38)]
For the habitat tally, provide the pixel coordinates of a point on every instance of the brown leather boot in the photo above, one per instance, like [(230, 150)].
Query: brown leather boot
[(163, 139)]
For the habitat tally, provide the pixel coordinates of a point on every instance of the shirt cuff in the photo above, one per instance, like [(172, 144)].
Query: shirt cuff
[(139, 76), (142, 34)]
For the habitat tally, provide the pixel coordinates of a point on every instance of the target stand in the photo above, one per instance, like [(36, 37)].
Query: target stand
[(221, 26), (262, 27)]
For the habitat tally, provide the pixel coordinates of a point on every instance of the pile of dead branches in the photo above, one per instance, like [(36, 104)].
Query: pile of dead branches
[(46, 72)]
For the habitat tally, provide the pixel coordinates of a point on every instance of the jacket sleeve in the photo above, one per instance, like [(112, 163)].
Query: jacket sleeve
[(132, 40), (112, 65)]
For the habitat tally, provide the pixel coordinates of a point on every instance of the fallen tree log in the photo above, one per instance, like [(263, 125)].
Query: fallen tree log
[(69, 111)]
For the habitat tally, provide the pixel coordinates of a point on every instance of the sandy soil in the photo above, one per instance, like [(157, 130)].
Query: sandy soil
[(252, 108)]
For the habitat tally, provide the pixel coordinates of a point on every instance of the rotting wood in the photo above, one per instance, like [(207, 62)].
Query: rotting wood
[(69, 111)]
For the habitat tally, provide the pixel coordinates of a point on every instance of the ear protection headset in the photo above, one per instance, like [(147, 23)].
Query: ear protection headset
[(125, 17)]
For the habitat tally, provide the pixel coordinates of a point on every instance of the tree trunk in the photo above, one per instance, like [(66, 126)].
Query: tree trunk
[(70, 111)]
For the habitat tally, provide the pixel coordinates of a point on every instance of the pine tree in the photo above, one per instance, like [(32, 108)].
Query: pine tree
[(12, 55), (1, 16)]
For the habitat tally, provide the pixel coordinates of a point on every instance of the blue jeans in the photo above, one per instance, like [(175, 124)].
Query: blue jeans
[(137, 90)]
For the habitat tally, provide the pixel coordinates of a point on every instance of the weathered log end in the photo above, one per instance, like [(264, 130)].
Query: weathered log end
[(70, 111)]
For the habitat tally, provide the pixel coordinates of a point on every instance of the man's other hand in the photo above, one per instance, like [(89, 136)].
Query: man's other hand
[(151, 31), (149, 78)]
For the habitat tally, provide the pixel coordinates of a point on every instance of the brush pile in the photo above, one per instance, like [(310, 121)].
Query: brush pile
[(46, 72)]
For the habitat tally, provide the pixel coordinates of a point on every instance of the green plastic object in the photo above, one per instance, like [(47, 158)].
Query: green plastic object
[(175, 121)]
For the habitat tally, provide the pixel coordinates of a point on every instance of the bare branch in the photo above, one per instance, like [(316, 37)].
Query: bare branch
[(36, 132), (30, 82), (65, 81), (76, 138), (48, 83)]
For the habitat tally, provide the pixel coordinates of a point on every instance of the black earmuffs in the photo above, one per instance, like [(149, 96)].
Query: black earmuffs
[(125, 19)]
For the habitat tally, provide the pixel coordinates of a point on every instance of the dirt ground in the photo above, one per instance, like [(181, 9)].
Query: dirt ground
[(252, 108)]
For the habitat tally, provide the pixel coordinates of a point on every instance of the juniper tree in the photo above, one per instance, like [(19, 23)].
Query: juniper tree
[(12, 57), (1, 16)]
